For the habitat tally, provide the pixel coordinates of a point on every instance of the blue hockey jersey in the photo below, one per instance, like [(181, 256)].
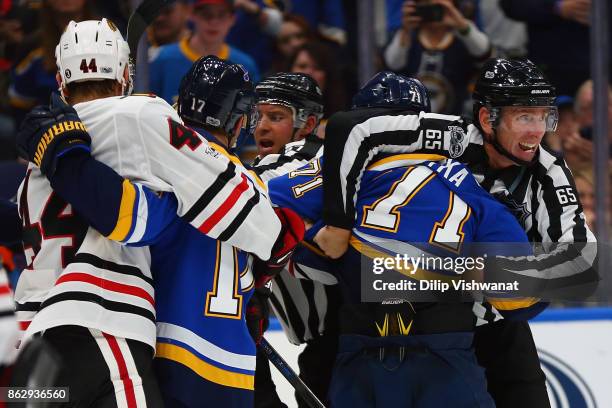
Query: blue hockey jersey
[(414, 203)]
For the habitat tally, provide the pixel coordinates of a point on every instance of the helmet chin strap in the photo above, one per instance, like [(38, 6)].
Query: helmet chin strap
[(501, 150)]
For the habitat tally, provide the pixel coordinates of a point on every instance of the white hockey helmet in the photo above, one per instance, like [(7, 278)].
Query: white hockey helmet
[(92, 50)]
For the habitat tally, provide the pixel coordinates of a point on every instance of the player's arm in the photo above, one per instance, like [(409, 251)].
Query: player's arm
[(118, 208), (214, 192), (565, 269), (499, 235), (355, 137)]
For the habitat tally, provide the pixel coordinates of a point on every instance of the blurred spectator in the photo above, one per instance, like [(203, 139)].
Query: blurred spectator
[(325, 16), (212, 20), (169, 27), (579, 146), (294, 33), (317, 60), (558, 38), (567, 125), (426, 47), (584, 110), (586, 191), (508, 37), (257, 23), (33, 77)]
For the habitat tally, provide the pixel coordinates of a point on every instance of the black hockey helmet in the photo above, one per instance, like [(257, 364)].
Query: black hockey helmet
[(504, 82), (296, 91), (390, 90), (216, 94)]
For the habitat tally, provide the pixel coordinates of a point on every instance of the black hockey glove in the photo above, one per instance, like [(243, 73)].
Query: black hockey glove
[(49, 132), (292, 233), (258, 313)]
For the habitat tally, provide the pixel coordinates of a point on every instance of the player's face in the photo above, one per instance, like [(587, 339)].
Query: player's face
[(521, 130), (274, 129)]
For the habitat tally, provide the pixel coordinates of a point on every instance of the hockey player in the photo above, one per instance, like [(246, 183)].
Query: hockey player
[(307, 307), (513, 109), (402, 353), (99, 301)]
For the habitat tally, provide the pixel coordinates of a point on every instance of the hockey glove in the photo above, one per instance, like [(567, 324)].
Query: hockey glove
[(292, 233), (49, 132), (258, 313)]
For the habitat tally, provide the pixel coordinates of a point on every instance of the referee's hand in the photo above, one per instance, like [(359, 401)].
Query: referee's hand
[(333, 241)]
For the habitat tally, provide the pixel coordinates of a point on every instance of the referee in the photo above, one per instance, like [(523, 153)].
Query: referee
[(513, 109)]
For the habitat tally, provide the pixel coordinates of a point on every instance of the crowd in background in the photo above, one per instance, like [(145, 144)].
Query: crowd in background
[(443, 47)]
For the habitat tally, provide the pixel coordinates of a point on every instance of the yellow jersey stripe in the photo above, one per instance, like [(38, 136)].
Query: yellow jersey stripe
[(193, 56), (126, 212), (204, 369), (513, 304), (407, 156)]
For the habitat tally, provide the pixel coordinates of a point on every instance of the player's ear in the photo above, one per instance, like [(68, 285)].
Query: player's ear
[(238, 126), (484, 116), (62, 89), (310, 124), (126, 73)]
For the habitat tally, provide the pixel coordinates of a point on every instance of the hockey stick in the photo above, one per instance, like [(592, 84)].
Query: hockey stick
[(144, 15), (297, 383)]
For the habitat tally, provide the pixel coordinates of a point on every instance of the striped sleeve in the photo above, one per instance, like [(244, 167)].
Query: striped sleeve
[(118, 208), (296, 155), (565, 267), (353, 138), (214, 192)]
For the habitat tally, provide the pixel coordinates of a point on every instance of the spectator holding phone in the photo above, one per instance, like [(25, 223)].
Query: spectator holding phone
[(440, 46)]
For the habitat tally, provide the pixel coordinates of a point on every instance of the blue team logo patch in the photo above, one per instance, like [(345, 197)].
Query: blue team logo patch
[(566, 387)]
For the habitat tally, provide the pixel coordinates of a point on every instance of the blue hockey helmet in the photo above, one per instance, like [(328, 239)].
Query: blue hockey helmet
[(390, 90), (216, 94)]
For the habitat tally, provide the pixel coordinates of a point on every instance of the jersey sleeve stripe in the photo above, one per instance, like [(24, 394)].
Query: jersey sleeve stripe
[(125, 220), (239, 219), (111, 266), (224, 208), (210, 193), (141, 218), (100, 301), (107, 285)]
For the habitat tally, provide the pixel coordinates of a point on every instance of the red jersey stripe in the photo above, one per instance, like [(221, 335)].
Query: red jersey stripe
[(224, 208), (107, 284), (123, 371)]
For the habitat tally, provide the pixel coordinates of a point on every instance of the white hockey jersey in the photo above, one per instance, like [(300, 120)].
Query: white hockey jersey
[(100, 283)]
